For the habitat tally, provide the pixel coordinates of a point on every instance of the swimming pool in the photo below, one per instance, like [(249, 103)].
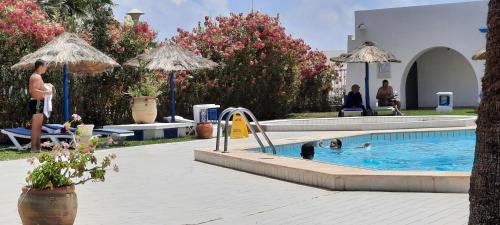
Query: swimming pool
[(415, 151)]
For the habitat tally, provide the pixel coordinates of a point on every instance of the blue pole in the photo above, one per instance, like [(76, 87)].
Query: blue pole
[(367, 86), (65, 95), (172, 98)]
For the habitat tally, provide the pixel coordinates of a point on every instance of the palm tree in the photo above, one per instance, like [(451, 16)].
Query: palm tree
[(485, 179), (73, 13)]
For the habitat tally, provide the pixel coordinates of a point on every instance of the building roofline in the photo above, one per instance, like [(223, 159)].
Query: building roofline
[(423, 6)]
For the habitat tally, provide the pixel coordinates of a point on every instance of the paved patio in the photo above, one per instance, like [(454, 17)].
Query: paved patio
[(162, 184)]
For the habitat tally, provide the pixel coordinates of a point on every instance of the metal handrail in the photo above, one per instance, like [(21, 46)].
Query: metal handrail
[(242, 111)]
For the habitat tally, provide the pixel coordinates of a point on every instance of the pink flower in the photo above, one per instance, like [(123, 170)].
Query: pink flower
[(262, 56), (116, 168), (46, 144), (65, 145), (264, 72), (112, 156), (76, 117), (31, 160)]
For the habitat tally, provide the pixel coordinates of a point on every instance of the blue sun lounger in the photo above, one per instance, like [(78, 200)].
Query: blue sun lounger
[(23, 133), (53, 133), (108, 132)]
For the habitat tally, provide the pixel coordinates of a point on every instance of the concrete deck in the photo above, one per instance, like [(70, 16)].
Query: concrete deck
[(162, 184)]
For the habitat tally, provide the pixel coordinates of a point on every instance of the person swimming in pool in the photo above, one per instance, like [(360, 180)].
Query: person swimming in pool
[(334, 144), (365, 145), (307, 151)]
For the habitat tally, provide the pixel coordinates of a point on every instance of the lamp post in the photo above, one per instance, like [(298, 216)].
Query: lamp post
[(135, 14)]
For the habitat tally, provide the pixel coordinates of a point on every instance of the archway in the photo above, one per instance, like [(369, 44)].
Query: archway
[(440, 69)]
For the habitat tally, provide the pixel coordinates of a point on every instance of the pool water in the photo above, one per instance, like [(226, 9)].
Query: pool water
[(430, 151)]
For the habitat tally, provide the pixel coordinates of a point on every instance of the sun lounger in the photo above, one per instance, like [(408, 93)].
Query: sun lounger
[(53, 133), (350, 112), (110, 132), (23, 133), (385, 111)]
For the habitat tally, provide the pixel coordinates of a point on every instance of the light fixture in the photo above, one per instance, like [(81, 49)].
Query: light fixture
[(135, 14), (361, 26)]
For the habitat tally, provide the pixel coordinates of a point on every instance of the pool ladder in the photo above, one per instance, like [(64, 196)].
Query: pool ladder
[(227, 113)]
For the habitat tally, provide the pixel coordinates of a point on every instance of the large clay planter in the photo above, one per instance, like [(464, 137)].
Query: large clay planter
[(48, 207), (143, 109), (204, 130)]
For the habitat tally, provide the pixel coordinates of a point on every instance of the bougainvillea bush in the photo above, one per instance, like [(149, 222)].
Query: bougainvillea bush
[(23, 28), (263, 67)]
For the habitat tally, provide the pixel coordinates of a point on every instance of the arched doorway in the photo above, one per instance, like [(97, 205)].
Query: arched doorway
[(440, 69)]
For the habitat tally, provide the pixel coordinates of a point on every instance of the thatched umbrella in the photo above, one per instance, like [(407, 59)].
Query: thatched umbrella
[(69, 52), (171, 58), (480, 54), (366, 53)]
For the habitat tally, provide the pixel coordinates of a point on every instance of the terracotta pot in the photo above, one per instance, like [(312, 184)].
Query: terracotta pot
[(143, 109), (204, 130), (48, 207)]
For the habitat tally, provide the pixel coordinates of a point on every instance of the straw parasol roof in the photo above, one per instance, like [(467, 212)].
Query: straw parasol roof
[(171, 57), (70, 49), (367, 52), (480, 54)]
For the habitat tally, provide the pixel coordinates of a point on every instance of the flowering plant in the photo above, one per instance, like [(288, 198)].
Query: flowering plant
[(256, 53), (24, 27), (62, 167), (149, 84)]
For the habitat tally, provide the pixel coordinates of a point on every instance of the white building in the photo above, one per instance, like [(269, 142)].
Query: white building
[(434, 43)]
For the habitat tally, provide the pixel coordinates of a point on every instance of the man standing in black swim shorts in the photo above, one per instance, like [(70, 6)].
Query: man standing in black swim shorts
[(37, 92)]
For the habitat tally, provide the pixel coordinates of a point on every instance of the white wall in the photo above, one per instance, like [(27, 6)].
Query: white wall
[(443, 69), (409, 32), (356, 75)]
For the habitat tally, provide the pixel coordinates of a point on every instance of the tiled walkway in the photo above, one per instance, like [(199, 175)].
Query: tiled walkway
[(162, 185)]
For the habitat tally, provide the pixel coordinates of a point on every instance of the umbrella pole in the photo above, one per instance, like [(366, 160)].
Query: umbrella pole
[(65, 93), (367, 86), (172, 98)]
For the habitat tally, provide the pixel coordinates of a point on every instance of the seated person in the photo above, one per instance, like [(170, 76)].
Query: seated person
[(334, 144), (307, 151), (354, 99), (386, 97)]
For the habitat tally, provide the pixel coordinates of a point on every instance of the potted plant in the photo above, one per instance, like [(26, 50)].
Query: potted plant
[(83, 131), (144, 94), (49, 197)]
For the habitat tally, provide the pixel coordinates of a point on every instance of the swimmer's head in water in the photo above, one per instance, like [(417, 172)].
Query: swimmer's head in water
[(336, 143), (307, 151)]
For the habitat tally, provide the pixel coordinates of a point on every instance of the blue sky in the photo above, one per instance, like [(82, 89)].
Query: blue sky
[(324, 24)]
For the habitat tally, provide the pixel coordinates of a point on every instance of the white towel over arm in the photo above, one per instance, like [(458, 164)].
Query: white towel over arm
[(47, 103)]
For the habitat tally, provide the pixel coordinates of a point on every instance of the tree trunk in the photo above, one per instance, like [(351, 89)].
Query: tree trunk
[(485, 179)]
